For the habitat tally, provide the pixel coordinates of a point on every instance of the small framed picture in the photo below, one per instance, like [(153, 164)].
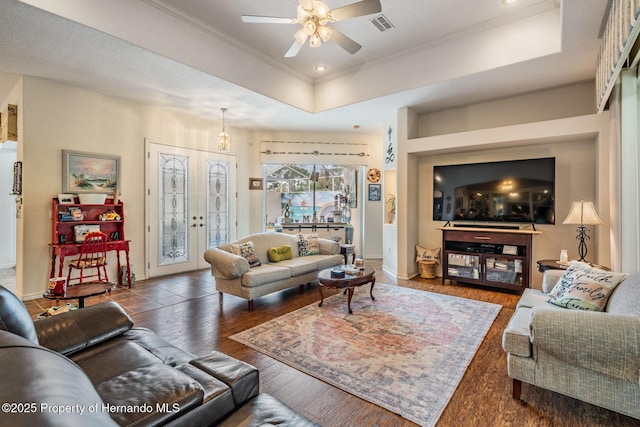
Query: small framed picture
[(375, 192), (255, 183), (65, 199)]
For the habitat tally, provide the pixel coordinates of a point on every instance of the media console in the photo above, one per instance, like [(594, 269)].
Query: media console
[(488, 257)]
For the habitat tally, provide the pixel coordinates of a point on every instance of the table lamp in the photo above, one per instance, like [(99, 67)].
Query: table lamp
[(582, 213)]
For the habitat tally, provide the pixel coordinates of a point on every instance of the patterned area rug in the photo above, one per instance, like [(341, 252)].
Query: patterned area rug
[(406, 351)]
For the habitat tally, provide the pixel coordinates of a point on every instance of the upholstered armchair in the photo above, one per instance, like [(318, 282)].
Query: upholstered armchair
[(593, 356)]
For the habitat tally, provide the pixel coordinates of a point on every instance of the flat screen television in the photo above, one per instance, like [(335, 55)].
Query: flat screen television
[(515, 191)]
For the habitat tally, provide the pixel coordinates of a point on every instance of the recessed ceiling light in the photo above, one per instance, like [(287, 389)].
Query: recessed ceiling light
[(321, 68), (509, 1)]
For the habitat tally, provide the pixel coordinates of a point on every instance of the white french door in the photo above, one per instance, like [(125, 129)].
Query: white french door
[(191, 206)]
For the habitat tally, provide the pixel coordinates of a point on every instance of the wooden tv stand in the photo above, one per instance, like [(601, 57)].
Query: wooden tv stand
[(497, 258)]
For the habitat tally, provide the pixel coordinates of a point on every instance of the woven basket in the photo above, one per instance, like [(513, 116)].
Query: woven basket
[(427, 269)]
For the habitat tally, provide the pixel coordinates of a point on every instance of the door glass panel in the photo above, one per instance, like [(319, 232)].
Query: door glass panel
[(217, 202), (173, 179)]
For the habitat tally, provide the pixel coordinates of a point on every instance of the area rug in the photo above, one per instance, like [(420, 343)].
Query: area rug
[(406, 351)]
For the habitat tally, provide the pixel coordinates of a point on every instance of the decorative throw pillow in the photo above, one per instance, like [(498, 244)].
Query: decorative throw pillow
[(567, 278), (308, 244), (248, 252), (280, 253), (428, 254), (585, 288)]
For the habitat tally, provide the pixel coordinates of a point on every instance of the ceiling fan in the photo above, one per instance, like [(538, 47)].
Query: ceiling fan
[(313, 16)]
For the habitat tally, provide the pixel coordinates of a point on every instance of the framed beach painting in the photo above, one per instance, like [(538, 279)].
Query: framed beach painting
[(89, 172)]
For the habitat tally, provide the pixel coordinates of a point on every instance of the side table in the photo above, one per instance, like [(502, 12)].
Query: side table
[(348, 282), (552, 264), (80, 292), (346, 250)]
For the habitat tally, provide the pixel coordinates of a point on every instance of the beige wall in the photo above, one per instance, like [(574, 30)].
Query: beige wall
[(544, 124), (561, 102), (58, 116), (61, 117)]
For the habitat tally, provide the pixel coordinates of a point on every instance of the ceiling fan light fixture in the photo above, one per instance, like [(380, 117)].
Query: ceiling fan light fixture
[(315, 40), (309, 27), (325, 33), (301, 36), (320, 10), (302, 15)]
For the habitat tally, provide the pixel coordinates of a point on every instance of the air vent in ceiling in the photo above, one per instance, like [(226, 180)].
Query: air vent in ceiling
[(381, 23)]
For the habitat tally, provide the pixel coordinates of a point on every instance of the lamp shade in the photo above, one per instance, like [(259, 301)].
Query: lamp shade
[(582, 213)]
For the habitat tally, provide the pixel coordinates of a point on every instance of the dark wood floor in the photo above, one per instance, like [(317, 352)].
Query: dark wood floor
[(184, 310)]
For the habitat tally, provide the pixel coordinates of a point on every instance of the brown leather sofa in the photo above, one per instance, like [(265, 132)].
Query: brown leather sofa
[(92, 367)]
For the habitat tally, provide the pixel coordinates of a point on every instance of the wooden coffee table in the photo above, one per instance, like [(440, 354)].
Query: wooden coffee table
[(348, 282), (80, 292)]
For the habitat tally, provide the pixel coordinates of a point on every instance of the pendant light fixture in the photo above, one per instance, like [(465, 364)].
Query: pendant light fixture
[(224, 140)]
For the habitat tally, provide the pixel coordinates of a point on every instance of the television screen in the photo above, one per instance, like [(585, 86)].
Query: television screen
[(519, 191)]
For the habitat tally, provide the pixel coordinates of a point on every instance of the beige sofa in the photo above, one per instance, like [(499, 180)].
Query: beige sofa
[(589, 355), (234, 276)]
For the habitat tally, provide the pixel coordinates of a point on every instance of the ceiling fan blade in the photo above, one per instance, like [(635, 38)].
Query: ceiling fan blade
[(364, 7), (267, 20), (306, 4), (294, 49), (344, 42)]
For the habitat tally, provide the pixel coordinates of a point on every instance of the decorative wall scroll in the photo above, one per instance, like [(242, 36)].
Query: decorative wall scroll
[(389, 155), (309, 152), (17, 179)]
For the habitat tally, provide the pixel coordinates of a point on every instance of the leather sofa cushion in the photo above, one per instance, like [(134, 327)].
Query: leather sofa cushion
[(150, 395), (113, 359), (79, 329), (14, 316), (242, 378), (266, 410), (166, 352), (37, 375), (217, 401)]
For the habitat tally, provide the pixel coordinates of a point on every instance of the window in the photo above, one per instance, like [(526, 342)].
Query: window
[(292, 194)]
